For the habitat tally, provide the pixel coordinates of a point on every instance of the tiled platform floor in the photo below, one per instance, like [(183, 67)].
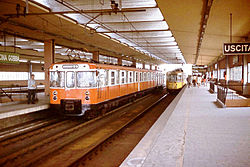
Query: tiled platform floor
[(21, 107), (197, 134)]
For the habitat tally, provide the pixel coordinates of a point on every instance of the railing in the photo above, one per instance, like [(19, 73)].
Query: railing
[(222, 93), (225, 92), (211, 86), (4, 93), (10, 91)]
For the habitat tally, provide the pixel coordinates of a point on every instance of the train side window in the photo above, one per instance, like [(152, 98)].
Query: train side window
[(126, 77), (140, 77), (112, 78), (136, 76), (70, 78), (145, 76), (149, 76), (130, 77), (107, 78), (118, 77), (123, 77)]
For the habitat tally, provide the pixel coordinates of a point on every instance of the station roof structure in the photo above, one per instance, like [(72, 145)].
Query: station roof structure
[(154, 32)]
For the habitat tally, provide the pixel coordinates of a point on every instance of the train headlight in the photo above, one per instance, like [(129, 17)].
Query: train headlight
[(54, 97), (87, 95), (54, 92)]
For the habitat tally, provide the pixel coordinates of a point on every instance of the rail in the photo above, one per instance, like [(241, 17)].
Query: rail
[(211, 84), (222, 94), (11, 90), (4, 93), (226, 92)]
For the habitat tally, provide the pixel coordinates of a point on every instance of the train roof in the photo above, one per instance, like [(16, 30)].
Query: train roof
[(177, 71), (104, 66)]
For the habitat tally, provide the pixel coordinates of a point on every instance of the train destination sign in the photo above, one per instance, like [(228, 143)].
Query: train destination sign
[(236, 48), (6, 57)]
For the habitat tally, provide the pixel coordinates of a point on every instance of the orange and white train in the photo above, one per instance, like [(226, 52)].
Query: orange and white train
[(80, 88)]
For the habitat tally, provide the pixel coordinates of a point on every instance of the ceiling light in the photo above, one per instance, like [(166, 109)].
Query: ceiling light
[(58, 47), (23, 60)]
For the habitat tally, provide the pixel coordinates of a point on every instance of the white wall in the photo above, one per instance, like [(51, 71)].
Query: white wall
[(187, 68)]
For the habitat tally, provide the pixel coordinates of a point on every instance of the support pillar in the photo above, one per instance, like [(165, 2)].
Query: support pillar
[(218, 72), (150, 66), (134, 63), (156, 67), (119, 61), (244, 75), (49, 57), (143, 66), (227, 70), (30, 69), (95, 56)]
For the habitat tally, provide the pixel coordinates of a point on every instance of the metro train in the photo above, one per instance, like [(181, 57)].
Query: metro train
[(91, 89), (175, 80)]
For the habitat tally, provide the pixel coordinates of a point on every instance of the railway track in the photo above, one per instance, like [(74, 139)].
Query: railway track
[(116, 148), (8, 133), (66, 142), (30, 134), (96, 138)]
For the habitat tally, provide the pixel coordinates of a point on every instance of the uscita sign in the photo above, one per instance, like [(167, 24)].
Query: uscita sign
[(236, 48)]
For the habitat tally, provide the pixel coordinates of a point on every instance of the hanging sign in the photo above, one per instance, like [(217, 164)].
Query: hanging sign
[(11, 58), (236, 48)]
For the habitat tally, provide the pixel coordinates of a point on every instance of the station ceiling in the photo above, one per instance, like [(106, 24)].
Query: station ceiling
[(154, 32)]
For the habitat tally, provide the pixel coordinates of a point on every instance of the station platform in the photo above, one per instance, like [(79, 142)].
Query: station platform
[(21, 107), (193, 132)]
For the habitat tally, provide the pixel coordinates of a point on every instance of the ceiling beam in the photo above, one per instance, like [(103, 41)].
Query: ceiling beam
[(134, 31), (152, 46), (204, 19), (103, 11), (139, 21)]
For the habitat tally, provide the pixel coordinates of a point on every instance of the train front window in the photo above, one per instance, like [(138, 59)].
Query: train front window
[(57, 79), (86, 79), (178, 78), (172, 78), (70, 79)]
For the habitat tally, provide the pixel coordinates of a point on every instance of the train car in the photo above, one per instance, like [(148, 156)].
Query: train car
[(175, 80), (80, 88)]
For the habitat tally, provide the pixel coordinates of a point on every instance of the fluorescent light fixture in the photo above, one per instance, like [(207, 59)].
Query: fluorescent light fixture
[(37, 43), (36, 61), (58, 47), (172, 47), (21, 39), (39, 50), (23, 60), (38, 6)]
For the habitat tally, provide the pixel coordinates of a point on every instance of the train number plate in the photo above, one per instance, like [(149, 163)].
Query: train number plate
[(69, 106)]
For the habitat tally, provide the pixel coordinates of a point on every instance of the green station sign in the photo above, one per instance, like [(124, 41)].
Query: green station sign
[(10, 58)]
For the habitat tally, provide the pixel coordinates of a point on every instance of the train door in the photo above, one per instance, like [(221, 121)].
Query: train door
[(113, 90), (139, 82), (102, 82), (157, 81), (123, 81)]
